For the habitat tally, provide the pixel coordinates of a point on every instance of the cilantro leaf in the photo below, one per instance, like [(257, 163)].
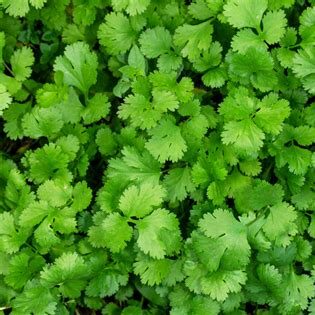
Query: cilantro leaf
[(113, 233), (21, 7), (246, 38), (21, 62), (48, 162), (13, 120), (254, 66), (132, 7), (145, 114), (221, 225), (155, 42), (79, 66), (42, 122), (166, 141), (140, 111), (272, 113), (304, 68), (68, 272), (5, 99), (185, 302), (23, 267), (245, 13), (116, 33), (18, 8), (139, 201), (157, 271), (107, 279), (11, 239), (297, 291), (135, 166), (36, 299), (97, 108), (274, 24), (55, 193), (105, 141), (178, 183), (280, 226), (159, 234), (244, 135), (198, 41)]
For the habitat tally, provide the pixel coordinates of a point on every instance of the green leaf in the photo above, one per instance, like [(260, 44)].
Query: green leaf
[(274, 24), (155, 42), (11, 239), (140, 201), (297, 291), (244, 135), (84, 13), (23, 267), (16, 8), (113, 233), (267, 287), (280, 224), (298, 159), (166, 141), (246, 38), (132, 7), (159, 234), (13, 120), (97, 108), (258, 195), (254, 66), (82, 196), (56, 193), (21, 7), (304, 67), (277, 4), (105, 141), (220, 284), (199, 10), (106, 283), (42, 122), (68, 272), (145, 114), (5, 99), (137, 60), (245, 13), (272, 113), (306, 28), (70, 145), (21, 62), (231, 233), (45, 235), (34, 213), (38, 4), (169, 62), (198, 41), (178, 183), (78, 65), (36, 299), (48, 162), (135, 166), (183, 302), (116, 33), (305, 135), (140, 111), (157, 271)]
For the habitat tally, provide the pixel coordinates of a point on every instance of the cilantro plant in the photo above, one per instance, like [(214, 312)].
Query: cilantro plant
[(157, 157)]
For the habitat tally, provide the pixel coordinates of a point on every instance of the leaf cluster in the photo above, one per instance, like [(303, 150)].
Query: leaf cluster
[(157, 157)]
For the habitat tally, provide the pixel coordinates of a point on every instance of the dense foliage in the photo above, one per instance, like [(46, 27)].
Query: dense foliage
[(157, 157)]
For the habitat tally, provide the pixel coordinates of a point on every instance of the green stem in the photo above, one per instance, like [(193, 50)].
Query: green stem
[(132, 221)]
